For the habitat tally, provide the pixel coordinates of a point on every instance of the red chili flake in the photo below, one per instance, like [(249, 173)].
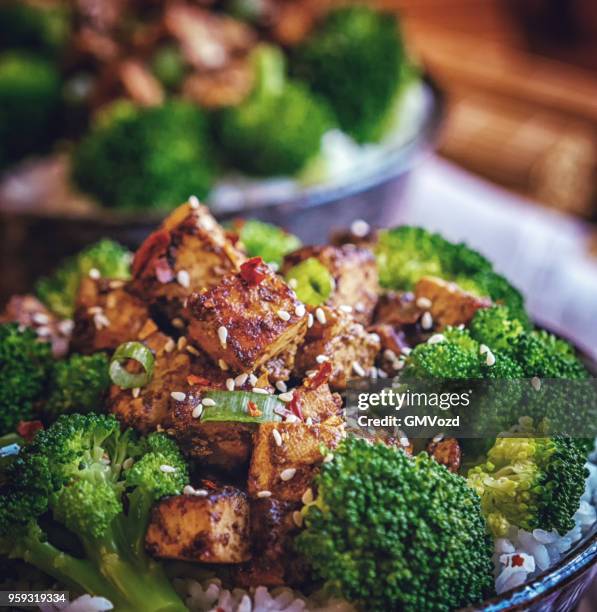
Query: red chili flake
[(253, 409), (28, 429), (517, 561), (198, 380), (295, 406), (155, 244), (209, 484), (233, 237), (322, 376), (253, 271)]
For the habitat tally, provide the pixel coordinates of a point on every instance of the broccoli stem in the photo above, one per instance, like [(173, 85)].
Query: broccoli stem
[(269, 69)]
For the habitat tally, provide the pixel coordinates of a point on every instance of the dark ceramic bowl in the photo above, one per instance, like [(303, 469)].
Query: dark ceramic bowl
[(31, 244)]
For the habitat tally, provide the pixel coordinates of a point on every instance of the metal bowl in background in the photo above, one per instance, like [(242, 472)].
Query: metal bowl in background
[(33, 242)]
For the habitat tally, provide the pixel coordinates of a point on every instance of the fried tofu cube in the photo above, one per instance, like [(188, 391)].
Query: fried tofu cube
[(212, 528), (189, 252), (447, 302), (222, 445), (106, 315), (287, 469), (354, 270), (247, 319), (335, 337), (273, 559), (397, 308), (317, 403)]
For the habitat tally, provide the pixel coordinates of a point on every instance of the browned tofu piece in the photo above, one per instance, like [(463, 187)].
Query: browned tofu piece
[(273, 559), (397, 309), (255, 309), (446, 451), (225, 446), (189, 252), (316, 402), (355, 274), (287, 469), (213, 528), (28, 311), (106, 315), (447, 302), (175, 369), (340, 340)]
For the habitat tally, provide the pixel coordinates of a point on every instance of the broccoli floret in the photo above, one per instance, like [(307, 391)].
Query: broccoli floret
[(24, 366), (78, 384), (392, 532), (495, 328), (354, 60), (29, 103), (405, 254), (59, 291), (33, 28), (80, 471), (152, 158), (279, 127), (267, 241), (533, 483)]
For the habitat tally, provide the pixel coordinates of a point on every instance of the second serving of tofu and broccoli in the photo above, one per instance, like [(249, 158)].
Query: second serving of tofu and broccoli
[(174, 432)]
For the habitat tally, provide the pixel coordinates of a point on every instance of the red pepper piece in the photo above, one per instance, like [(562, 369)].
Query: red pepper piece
[(253, 271), (295, 406), (28, 429), (322, 376), (153, 246), (198, 380)]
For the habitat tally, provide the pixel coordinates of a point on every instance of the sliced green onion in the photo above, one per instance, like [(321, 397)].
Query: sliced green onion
[(234, 406), (313, 282), (137, 352)]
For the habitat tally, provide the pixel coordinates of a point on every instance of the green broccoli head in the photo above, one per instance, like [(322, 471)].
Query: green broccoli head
[(392, 532), (59, 290), (405, 254), (354, 60), (30, 93), (152, 158), (279, 127), (78, 384), (495, 328), (24, 366), (267, 241), (532, 483), (99, 483)]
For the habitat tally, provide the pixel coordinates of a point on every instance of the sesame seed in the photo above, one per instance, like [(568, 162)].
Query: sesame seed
[(381, 373), (170, 345), (136, 392), (389, 354), (273, 266), (284, 315), (287, 474), (281, 386), (483, 349), (358, 368), (191, 349), (322, 358), (127, 463), (94, 310), (197, 411), (264, 494), (490, 359), (310, 320), (292, 418), (230, 384), (404, 441), (374, 337), (189, 490), (405, 350), (66, 327), (46, 331), (177, 322), (183, 278), (201, 493), (300, 310), (260, 390), (241, 379), (424, 303), (359, 228), (311, 373), (328, 458), (345, 308), (116, 284), (207, 401), (286, 397), (297, 517), (222, 335), (373, 372), (427, 320), (398, 364), (179, 396), (99, 320), (461, 326), (293, 283), (359, 307), (182, 342), (167, 469), (436, 338), (309, 421), (320, 316), (222, 365), (194, 201), (253, 379), (277, 437), (94, 273), (40, 318), (307, 497), (438, 438), (536, 383)]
